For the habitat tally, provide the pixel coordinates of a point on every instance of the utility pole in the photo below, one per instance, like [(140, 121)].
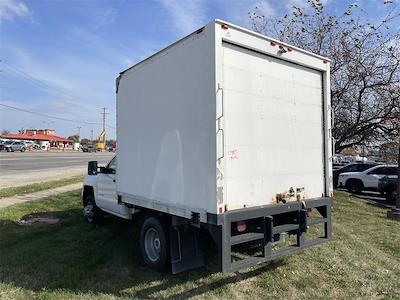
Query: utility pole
[(79, 131), (104, 113), (91, 135)]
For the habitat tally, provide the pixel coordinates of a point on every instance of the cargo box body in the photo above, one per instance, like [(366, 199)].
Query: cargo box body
[(224, 119)]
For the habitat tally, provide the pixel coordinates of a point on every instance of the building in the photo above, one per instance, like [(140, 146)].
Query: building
[(44, 137)]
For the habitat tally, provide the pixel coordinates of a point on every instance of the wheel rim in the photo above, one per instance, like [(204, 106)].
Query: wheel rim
[(152, 244), (394, 196), (88, 211)]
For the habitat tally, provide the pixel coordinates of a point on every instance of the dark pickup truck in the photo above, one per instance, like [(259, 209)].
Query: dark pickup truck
[(388, 186)]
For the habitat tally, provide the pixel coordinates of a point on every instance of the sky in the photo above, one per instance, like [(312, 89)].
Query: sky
[(60, 58)]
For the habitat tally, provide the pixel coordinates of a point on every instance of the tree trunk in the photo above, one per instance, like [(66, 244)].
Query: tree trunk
[(398, 181)]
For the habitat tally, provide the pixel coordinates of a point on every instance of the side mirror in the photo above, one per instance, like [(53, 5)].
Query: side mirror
[(92, 167)]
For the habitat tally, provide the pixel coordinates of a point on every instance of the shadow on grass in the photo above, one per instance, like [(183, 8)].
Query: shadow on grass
[(79, 257)]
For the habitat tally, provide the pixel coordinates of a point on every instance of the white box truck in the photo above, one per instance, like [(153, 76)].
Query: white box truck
[(225, 133)]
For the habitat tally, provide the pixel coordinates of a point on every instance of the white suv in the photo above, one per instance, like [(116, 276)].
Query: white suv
[(366, 180)]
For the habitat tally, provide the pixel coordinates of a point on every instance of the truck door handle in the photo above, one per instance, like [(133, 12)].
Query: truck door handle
[(113, 180)]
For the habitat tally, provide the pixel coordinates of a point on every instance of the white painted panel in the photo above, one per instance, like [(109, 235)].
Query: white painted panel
[(166, 126), (273, 128)]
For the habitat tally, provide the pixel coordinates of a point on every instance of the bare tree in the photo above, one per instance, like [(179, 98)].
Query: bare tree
[(5, 132), (365, 66)]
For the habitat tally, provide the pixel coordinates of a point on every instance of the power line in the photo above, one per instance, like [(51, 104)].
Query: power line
[(52, 117), (41, 83)]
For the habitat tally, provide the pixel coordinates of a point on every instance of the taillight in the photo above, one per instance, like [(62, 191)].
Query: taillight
[(241, 226)]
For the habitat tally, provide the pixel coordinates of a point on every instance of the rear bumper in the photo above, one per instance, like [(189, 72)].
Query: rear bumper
[(270, 220)]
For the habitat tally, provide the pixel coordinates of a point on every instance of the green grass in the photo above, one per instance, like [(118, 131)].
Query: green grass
[(36, 187), (75, 260)]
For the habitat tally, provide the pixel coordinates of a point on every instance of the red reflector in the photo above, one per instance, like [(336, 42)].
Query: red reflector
[(241, 226), (289, 49), (224, 26), (325, 61), (200, 30), (273, 43)]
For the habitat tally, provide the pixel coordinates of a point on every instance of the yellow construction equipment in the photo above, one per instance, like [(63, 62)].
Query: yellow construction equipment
[(101, 141)]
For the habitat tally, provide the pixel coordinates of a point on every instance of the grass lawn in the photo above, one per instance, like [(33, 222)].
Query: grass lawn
[(36, 187), (73, 259)]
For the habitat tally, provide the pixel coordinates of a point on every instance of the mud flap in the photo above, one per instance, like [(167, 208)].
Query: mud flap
[(185, 248)]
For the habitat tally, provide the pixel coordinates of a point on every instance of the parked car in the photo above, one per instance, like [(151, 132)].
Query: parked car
[(365, 180), (112, 148), (15, 146), (32, 144), (89, 148), (4, 144), (357, 167), (388, 186)]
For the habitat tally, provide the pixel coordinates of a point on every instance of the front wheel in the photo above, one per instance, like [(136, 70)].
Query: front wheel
[(354, 186), (153, 244), (91, 212), (391, 196)]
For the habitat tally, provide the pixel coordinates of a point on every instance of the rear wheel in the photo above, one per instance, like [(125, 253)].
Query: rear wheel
[(91, 212), (153, 244), (354, 186), (23, 149)]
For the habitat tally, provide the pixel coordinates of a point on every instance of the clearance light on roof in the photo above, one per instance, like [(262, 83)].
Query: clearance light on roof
[(289, 49), (273, 43), (200, 30), (325, 61), (224, 26)]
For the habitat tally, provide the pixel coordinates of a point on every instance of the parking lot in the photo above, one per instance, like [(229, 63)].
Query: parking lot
[(18, 168)]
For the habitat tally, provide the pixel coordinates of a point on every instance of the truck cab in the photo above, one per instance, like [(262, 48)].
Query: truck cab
[(100, 192)]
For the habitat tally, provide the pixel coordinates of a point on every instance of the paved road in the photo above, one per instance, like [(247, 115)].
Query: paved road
[(18, 168)]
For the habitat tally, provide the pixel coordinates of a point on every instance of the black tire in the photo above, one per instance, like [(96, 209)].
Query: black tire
[(23, 149), (8, 150), (91, 212), (391, 196), (154, 244), (354, 186)]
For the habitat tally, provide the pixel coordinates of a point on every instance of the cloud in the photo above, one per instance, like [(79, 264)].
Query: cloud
[(109, 15), (301, 3), (237, 11), (186, 15), (265, 8), (9, 9)]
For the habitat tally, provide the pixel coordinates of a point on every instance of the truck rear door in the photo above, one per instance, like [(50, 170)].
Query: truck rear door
[(274, 138)]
